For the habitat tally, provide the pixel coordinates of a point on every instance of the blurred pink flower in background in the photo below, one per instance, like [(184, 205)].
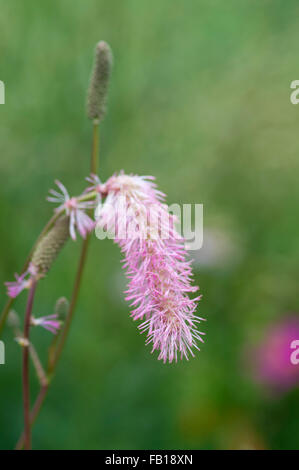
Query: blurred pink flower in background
[(271, 360)]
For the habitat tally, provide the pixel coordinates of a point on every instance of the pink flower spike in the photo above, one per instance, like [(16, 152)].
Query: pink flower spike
[(48, 322), (158, 271), (22, 282), (75, 209)]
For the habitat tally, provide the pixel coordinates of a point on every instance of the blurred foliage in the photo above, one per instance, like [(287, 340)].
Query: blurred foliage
[(200, 99)]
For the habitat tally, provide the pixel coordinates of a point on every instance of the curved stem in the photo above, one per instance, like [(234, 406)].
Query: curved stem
[(5, 313), (72, 306), (26, 384)]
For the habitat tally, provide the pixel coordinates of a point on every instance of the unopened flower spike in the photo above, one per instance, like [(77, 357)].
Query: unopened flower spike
[(155, 259), (13, 320), (51, 244), (49, 322), (75, 209), (99, 82), (62, 307), (24, 281)]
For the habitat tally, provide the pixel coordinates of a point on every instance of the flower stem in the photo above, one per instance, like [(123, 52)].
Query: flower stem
[(40, 372), (87, 196), (26, 385), (34, 413), (5, 313), (95, 146), (72, 306), (41, 375)]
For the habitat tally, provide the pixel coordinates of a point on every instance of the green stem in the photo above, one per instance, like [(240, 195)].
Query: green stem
[(88, 196), (5, 313), (41, 375), (95, 147), (72, 306)]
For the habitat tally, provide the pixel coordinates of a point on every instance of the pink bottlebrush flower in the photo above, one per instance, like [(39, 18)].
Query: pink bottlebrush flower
[(22, 282), (48, 322), (155, 258), (75, 209)]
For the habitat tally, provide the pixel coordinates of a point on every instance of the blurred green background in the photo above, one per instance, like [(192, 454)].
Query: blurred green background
[(199, 98)]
